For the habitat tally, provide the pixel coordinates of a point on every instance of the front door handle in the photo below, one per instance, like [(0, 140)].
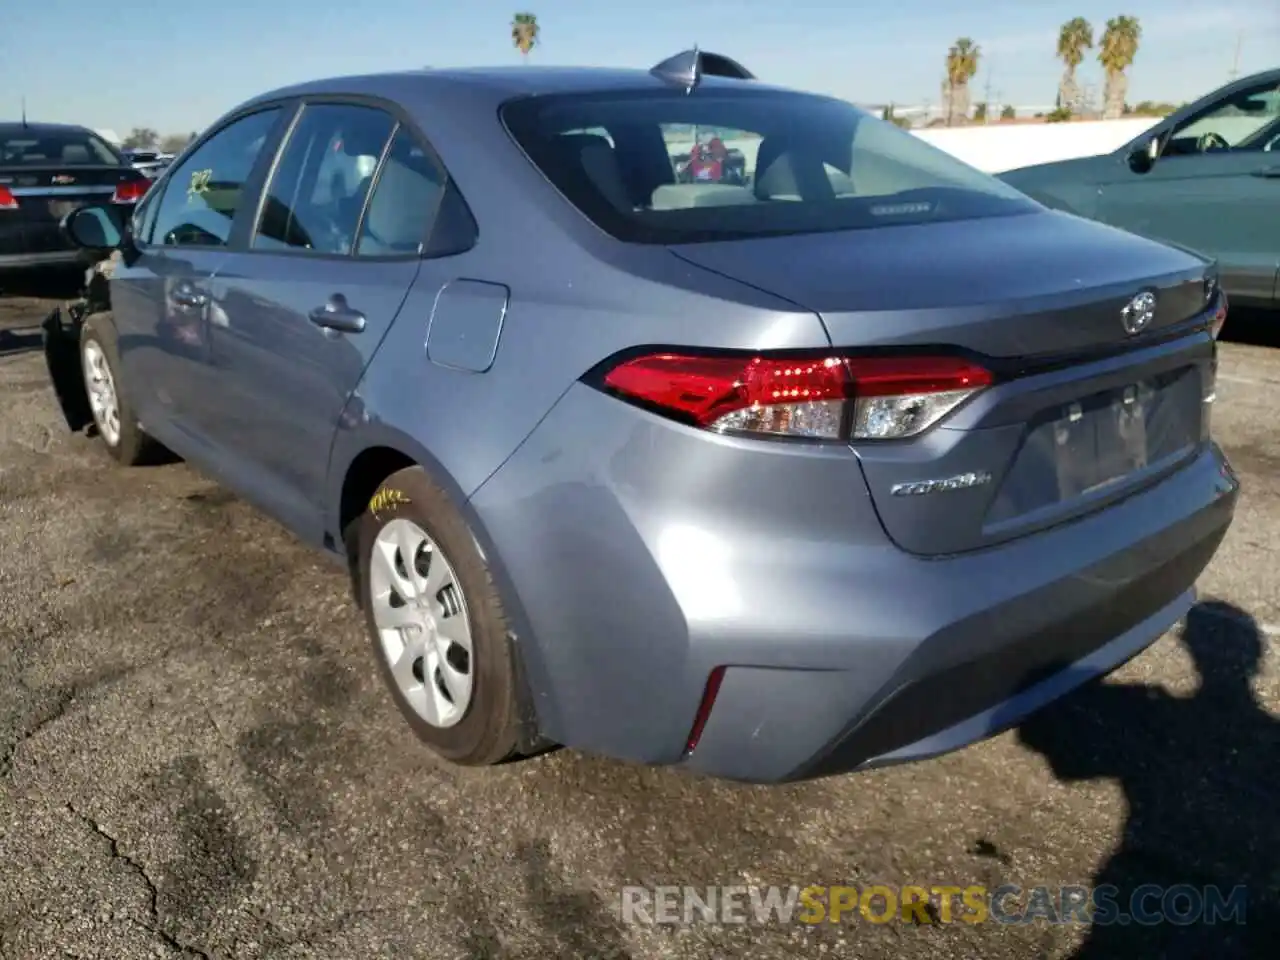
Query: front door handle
[(338, 316), (1269, 173)]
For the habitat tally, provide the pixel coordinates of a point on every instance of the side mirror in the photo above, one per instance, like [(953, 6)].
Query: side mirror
[(95, 228), (1144, 157)]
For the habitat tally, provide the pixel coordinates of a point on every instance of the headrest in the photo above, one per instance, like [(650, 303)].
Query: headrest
[(362, 142), (580, 141), (774, 176), (595, 155)]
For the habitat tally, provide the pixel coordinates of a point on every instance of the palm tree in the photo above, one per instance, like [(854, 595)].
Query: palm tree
[(1116, 52), (524, 32), (962, 66), (1075, 37)]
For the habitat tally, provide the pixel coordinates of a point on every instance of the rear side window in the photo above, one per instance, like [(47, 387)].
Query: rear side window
[(662, 166), (318, 190), (204, 194), (35, 147), (404, 202)]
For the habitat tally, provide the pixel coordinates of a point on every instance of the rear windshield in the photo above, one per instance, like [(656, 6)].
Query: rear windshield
[(64, 148), (660, 166)]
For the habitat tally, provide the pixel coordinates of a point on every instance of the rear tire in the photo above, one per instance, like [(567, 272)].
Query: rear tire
[(113, 415), (446, 602)]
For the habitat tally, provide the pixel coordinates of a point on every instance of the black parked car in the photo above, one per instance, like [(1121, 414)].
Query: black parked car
[(48, 170)]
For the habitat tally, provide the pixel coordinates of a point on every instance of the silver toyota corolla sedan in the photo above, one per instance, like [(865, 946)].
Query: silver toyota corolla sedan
[(836, 454)]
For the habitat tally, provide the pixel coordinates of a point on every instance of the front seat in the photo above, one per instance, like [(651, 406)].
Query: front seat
[(775, 178), (789, 171)]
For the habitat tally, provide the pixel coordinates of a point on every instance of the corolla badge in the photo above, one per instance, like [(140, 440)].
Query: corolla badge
[(1138, 313), (961, 481)]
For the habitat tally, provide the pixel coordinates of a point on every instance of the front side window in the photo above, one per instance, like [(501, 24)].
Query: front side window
[(318, 190), (37, 147), (1249, 120), (203, 195), (660, 166)]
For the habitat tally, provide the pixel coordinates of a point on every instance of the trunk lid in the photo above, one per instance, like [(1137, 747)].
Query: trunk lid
[(1030, 285), (1083, 412), (46, 194)]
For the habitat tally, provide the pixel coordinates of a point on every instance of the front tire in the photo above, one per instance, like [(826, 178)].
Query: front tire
[(436, 622), (113, 415)]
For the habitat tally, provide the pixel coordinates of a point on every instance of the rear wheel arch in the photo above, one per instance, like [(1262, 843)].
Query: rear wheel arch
[(369, 468), (365, 475)]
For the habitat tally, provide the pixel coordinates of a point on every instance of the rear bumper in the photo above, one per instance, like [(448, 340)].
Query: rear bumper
[(640, 556), (33, 261), (18, 251), (1030, 650)]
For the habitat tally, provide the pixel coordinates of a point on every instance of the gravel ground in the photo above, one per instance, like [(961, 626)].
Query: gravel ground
[(196, 758)]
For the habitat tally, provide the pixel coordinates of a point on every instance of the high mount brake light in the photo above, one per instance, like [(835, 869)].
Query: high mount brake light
[(130, 191), (7, 200), (824, 396)]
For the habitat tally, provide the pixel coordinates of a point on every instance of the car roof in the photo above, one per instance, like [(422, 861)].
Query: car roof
[(10, 127), (497, 83)]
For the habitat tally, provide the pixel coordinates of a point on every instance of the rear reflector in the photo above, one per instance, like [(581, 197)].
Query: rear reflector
[(1219, 315), (824, 396), (704, 709), (130, 191), (7, 200)]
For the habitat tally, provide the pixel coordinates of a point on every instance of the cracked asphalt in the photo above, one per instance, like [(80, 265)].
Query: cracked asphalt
[(197, 760)]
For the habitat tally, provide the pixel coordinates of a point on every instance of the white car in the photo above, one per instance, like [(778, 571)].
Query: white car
[(148, 162)]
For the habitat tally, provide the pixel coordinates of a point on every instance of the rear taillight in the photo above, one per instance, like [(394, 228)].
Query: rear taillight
[(825, 396), (130, 191), (1219, 315), (705, 705), (7, 200)]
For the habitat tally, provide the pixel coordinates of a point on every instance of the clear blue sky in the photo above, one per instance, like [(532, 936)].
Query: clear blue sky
[(175, 66)]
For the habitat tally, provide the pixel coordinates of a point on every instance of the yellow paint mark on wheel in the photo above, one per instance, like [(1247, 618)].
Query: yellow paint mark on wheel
[(385, 499)]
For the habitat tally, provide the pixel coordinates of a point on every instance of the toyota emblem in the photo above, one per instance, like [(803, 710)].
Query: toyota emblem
[(1138, 313)]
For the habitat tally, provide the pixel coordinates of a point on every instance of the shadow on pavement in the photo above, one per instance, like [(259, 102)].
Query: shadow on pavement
[(50, 284), (15, 342), (1201, 776), (575, 921), (1258, 327)]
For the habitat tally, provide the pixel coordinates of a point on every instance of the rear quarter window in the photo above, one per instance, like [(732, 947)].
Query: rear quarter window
[(660, 166)]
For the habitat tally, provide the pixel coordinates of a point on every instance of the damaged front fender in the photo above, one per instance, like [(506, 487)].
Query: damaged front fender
[(61, 331), (61, 334)]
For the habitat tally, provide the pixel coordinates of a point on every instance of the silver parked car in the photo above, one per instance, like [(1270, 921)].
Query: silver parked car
[(855, 459)]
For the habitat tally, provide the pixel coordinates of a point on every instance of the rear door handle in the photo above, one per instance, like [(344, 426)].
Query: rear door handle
[(336, 315), (1269, 173)]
